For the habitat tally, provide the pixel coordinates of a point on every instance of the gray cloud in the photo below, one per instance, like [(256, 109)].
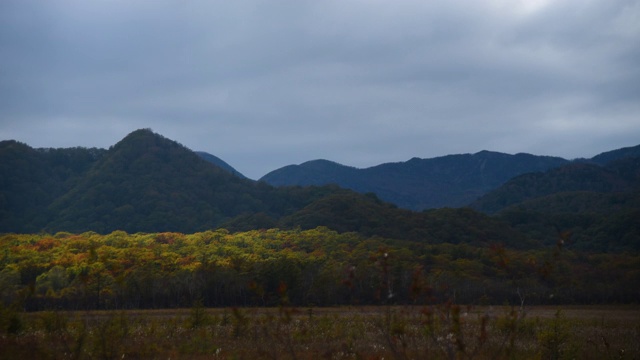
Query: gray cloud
[(263, 84)]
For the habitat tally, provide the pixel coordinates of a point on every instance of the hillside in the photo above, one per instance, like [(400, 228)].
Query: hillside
[(618, 154), (148, 183), (219, 163), (597, 206), (30, 179), (417, 184), (617, 177)]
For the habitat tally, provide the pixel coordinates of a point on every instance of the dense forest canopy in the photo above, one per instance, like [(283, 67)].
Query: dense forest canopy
[(313, 267)]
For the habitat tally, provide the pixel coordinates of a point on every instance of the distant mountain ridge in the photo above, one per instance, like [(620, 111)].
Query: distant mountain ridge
[(613, 155), (417, 184), (148, 183)]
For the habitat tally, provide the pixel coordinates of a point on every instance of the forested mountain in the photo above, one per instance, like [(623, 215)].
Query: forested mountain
[(219, 163), (616, 177), (195, 232), (623, 153), (417, 184), (147, 183), (31, 179), (599, 206)]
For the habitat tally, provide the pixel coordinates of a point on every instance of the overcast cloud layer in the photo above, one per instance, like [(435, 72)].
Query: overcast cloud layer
[(263, 84)]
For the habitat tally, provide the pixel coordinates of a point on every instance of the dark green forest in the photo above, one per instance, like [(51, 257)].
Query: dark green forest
[(148, 183), (418, 184), (148, 223)]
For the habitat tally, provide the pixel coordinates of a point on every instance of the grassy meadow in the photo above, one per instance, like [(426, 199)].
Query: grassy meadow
[(444, 331)]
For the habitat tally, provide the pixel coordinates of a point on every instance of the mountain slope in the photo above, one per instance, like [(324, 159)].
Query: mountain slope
[(314, 172), (143, 183), (369, 216), (597, 206), (417, 184), (30, 179), (219, 163), (149, 183), (613, 155), (617, 177)]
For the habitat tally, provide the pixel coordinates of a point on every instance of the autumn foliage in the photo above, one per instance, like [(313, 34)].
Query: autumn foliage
[(317, 267)]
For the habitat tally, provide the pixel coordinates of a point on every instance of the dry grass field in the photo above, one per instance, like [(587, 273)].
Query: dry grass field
[(436, 332)]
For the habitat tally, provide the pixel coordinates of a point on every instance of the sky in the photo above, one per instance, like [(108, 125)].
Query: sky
[(264, 84)]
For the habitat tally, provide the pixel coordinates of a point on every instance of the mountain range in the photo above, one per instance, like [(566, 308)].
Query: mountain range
[(148, 183), (418, 184)]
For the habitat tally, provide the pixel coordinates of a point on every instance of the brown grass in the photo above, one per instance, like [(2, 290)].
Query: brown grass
[(439, 332)]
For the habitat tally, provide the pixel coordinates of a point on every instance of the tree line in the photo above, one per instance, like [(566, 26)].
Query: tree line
[(316, 267)]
